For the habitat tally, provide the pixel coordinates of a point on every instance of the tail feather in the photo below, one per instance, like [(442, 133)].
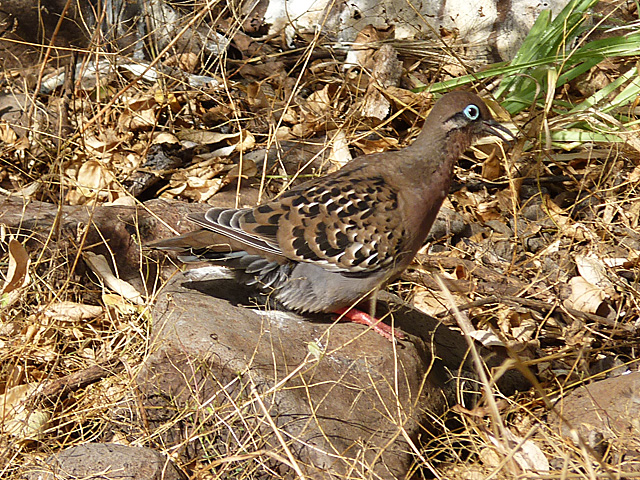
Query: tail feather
[(223, 242)]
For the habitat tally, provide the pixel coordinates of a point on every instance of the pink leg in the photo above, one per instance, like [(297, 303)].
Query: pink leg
[(358, 316)]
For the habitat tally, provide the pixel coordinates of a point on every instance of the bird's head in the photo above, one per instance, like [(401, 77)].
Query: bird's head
[(465, 113)]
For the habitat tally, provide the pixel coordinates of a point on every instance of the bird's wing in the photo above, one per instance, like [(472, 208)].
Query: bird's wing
[(341, 224), (230, 223)]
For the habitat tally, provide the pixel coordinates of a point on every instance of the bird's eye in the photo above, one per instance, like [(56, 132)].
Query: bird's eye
[(472, 112)]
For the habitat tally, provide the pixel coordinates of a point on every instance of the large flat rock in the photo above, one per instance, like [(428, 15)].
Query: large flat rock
[(340, 397)]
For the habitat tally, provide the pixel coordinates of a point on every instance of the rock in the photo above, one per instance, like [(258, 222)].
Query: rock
[(93, 461), (332, 389), (606, 412), (491, 30), (447, 223), (341, 398)]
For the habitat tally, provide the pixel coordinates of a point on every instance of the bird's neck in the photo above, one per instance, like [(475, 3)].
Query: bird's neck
[(431, 158), (428, 172)]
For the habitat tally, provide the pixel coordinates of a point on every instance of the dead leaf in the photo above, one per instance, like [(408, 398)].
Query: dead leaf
[(7, 134), (194, 188), (135, 120), (122, 202), (247, 142), (18, 421), (104, 145), (72, 311), (593, 270), (585, 296), (284, 133), (187, 62), (99, 265), (340, 154), (18, 272), (204, 137), (119, 303), (256, 96), (163, 98), (164, 138), (363, 49), (492, 168), (529, 456), (249, 169), (320, 102), (305, 128), (94, 179)]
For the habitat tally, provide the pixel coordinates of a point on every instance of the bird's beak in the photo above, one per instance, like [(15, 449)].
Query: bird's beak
[(491, 127)]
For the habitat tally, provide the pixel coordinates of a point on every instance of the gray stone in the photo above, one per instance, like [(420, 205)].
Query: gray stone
[(606, 412), (447, 223), (106, 461), (343, 398)]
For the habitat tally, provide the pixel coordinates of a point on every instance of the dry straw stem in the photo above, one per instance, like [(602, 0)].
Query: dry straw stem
[(293, 462), (39, 349), (467, 330)]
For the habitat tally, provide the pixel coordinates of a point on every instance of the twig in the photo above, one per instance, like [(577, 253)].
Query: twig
[(56, 389)]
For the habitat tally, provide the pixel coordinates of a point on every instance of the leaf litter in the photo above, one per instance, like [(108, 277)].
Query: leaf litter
[(546, 265)]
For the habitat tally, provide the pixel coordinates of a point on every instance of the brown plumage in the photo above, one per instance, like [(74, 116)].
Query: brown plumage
[(325, 245)]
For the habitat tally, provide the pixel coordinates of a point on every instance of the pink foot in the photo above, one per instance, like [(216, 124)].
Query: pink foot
[(358, 316)]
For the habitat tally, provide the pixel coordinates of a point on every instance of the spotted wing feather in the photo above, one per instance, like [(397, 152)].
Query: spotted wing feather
[(230, 223), (340, 224)]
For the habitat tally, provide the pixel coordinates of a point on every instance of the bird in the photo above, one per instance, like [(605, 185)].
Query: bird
[(330, 243)]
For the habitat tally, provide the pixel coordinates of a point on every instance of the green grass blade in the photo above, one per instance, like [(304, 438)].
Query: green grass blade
[(603, 93)]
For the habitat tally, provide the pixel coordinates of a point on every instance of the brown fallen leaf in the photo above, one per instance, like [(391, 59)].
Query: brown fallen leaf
[(72, 311), (99, 265), (586, 297), (18, 421), (18, 272)]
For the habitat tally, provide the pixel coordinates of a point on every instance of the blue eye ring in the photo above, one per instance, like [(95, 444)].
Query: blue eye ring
[(472, 112)]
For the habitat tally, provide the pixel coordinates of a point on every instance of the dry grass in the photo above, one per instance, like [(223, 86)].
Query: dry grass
[(101, 138)]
